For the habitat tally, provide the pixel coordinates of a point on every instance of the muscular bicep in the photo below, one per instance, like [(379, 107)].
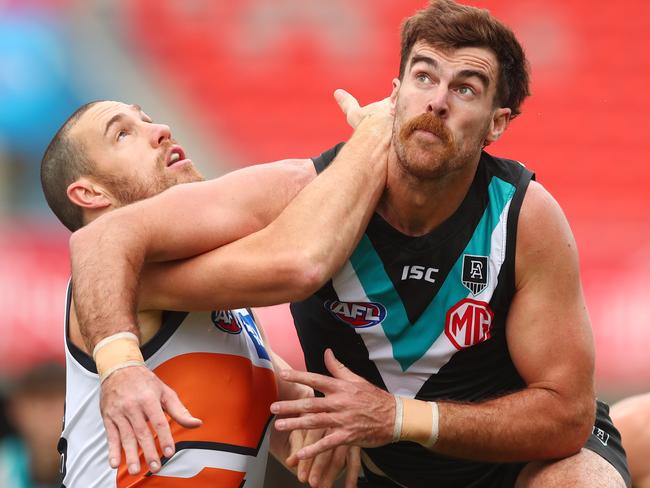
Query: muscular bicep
[(193, 218), (548, 329)]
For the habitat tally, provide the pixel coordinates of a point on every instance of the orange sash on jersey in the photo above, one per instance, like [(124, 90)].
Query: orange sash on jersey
[(231, 395)]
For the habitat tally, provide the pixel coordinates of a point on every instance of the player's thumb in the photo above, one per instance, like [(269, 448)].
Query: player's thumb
[(178, 412), (346, 101), (337, 368)]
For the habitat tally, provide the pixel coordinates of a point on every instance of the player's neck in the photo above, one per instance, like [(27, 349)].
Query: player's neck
[(415, 207)]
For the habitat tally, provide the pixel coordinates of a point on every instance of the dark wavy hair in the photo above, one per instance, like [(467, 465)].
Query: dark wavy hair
[(448, 25)]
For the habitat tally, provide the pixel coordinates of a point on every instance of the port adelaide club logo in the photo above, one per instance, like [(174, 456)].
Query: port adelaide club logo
[(227, 321), (475, 273), (357, 314)]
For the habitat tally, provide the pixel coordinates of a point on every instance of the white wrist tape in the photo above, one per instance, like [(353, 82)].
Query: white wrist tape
[(119, 351), (435, 425), (117, 367), (112, 338), (399, 413), (420, 422)]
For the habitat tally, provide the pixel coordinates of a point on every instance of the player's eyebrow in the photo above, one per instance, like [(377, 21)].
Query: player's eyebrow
[(424, 59), (469, 73), (114, 119), (466, 73), (117, 117)]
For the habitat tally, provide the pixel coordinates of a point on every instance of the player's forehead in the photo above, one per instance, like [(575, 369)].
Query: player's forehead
[(480, 59), (94, 121)]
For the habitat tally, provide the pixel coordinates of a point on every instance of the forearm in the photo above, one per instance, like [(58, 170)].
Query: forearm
[(94, 286), (531, 424), (326, 220), (294, 255), (108, 254)]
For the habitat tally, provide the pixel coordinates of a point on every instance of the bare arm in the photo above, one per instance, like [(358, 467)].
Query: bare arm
[(289, 259), (550, 342), (294, 255), (186, 220), (549, 338)]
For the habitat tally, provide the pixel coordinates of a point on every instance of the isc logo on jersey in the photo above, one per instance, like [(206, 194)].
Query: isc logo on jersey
[(357, 314), (468, 323), (226, 321)]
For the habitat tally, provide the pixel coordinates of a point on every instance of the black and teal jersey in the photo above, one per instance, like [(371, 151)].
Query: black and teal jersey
[(425, 316)]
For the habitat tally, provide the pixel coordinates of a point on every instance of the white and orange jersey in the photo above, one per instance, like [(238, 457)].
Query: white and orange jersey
[(218, 365)]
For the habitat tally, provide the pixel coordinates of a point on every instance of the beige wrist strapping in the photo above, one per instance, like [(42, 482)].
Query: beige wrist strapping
[(115, 352), (416, 421)]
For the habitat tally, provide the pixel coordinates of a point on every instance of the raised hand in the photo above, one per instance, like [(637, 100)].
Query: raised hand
[(355, 113)]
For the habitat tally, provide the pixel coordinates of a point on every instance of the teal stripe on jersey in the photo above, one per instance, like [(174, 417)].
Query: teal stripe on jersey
[(410, 341)]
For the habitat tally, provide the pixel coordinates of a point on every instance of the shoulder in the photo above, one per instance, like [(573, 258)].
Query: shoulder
[(544, 237)]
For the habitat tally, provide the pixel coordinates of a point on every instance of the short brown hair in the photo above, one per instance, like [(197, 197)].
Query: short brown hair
[(449, 25), (64, 161)]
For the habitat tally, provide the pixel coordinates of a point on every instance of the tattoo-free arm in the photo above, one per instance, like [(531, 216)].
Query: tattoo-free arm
[(294, 255), (549, 338), (186, 220)]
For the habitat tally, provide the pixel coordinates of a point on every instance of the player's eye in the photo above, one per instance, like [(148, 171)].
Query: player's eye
[(423, 78), (121, 134), (466, 91)]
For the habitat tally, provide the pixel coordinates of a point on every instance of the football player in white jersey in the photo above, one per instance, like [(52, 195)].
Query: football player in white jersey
[(110, 154)]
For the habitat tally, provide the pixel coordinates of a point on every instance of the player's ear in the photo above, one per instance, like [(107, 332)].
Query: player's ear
[(393, 95), (498, 125), (86, 193)]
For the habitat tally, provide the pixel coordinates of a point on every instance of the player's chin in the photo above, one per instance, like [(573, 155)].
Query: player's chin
[(187, 173)]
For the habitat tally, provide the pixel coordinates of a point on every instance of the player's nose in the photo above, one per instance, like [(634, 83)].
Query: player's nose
[(159, 134), (438, 103)]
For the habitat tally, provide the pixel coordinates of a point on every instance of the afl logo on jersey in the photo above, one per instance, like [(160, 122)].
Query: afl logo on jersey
[(226, 321), (357, 314), (468, 323)]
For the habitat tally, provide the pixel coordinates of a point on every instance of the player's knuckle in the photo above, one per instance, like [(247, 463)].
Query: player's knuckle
[(142, 434), (338, 402), (311, 404), (159, 424)]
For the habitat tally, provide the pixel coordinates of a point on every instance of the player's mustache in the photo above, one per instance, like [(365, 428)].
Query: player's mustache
[(429, 122)]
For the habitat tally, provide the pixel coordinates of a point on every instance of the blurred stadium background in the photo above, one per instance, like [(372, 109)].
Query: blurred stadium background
[(250, 81)]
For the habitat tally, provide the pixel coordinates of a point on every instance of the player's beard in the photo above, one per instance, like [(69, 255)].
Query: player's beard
[(128, 190), (422, 158)]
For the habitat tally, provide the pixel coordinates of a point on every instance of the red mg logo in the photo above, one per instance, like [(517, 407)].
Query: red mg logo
[(468, 323)]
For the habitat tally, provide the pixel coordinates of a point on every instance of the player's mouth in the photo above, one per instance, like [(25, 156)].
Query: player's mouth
[(176, 156), (426, 134)]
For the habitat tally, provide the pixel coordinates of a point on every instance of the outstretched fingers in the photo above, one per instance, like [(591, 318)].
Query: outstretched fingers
[(318, 382)]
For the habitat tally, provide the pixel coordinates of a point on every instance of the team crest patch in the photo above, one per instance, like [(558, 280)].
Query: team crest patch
[(357, 314), (475, 273), (601, 435), (226, 321), (468, 323)]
